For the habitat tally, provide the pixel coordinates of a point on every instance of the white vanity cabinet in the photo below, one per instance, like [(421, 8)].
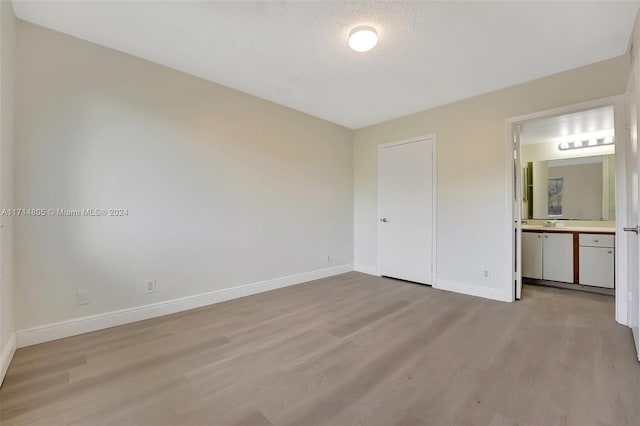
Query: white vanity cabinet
[(597, 260), (532, 255), (557, 257), (570, 256), (547, 256)]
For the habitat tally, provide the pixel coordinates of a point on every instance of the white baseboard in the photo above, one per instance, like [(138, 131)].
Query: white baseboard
[(7, 356), (365, 269), (471, 289), (83, 325)]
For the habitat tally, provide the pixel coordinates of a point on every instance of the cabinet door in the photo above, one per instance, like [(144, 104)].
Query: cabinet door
[(596, 266), (532, 255), (557, 257)]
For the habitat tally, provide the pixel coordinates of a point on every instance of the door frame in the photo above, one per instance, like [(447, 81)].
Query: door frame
[(430, 136), (516, 210), (515, 217)]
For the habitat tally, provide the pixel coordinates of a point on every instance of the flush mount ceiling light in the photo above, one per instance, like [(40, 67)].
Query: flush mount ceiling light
[(363, 39)]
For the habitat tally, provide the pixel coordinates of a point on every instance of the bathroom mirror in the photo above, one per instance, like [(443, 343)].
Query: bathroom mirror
[(580, 188)]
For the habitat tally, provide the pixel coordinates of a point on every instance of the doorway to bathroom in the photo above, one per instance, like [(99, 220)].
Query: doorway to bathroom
[(568, 186)]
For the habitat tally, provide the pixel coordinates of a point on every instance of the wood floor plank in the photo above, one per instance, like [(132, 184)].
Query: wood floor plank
[(347, 350)]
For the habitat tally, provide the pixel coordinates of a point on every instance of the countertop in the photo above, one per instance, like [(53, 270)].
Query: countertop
[(585, 229)]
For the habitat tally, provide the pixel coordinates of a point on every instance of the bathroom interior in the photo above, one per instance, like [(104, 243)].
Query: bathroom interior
[(568, 201)]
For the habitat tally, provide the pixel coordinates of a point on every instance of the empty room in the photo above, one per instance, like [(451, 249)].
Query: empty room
[(300, 213)]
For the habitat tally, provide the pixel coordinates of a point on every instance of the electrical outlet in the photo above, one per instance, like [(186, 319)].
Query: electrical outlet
[(150, 286), (486, 273), (83, 297)]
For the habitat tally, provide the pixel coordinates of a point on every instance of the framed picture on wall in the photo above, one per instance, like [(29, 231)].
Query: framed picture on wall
[(556, 189)]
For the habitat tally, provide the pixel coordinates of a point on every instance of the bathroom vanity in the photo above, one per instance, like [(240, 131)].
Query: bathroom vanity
[(575, 255)]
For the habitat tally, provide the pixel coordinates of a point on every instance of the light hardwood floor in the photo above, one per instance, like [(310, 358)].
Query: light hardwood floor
[(347, 350)]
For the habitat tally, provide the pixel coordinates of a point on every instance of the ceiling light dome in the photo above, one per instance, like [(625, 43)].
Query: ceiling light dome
[(363, 39)]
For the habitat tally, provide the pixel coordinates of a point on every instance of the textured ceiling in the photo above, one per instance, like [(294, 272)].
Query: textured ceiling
[(597, 122), (296, 53)]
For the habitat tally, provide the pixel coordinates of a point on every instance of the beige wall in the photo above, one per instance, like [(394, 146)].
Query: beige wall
[(222, 188), (7, 74), (472, 172), (582, 195), (546, 151), (609, 187)]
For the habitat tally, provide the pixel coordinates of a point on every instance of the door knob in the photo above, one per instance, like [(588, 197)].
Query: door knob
[(631, 229), (384, 219)]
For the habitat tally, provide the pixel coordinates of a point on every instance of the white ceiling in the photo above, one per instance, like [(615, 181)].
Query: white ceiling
[(597, 122), (296, 53)]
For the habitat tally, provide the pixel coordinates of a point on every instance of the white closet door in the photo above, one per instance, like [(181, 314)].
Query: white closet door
[(406, 210), (632, 148)]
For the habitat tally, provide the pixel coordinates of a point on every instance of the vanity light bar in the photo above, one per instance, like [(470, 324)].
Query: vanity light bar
[(586, 143)]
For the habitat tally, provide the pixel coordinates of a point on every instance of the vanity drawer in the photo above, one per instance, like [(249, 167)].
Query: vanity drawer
[(596, 240)]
